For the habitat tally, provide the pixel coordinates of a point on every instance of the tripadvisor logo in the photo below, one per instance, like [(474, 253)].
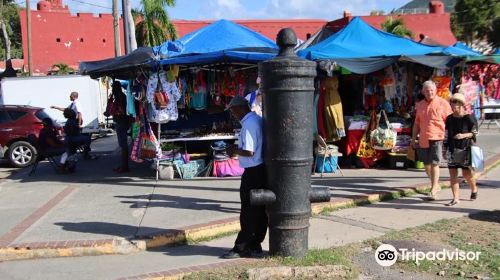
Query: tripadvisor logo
[(387, 255)]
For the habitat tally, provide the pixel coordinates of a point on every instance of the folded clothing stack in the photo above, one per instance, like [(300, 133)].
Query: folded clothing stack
[(402, 144)]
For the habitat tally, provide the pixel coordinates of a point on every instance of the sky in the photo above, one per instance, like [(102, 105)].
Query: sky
[(247, 9)]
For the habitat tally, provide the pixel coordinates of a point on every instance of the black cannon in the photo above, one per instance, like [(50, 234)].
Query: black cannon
[(288, 91)]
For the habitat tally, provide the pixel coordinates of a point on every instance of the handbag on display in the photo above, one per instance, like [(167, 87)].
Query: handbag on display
[(110, 107), (365, 150), (161, 99), (477, 158), (136, 149), (383, 138)]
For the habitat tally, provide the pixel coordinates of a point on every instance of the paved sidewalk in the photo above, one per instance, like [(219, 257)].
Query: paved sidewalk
[(96, 212), (339, 228)]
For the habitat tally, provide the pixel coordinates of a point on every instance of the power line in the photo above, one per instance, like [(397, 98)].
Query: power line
[(91, 4)]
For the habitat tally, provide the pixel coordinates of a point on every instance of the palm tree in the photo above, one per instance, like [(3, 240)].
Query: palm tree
[(397, 27), (62, 69), (155, 25), (5, 28)]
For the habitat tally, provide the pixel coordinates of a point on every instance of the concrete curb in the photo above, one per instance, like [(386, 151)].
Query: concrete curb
[(194, 233), (75, 248)]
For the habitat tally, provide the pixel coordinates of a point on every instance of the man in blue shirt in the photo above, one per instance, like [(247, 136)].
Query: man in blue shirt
[(253, 219)]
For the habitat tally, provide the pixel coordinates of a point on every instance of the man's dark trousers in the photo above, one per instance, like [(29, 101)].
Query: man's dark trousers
[(253, 219)]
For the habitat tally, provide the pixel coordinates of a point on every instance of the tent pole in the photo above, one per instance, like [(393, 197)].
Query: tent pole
[(158, 160)]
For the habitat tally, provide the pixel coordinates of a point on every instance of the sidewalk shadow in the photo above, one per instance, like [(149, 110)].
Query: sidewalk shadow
[(111, 229), (414, 202), (489, 184), (128, 231), (487, 216), (191, 250), (179, 202)]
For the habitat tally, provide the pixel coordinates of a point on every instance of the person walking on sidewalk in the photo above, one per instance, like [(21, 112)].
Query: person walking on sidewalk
[(253, 219), (461, 133), (429, 126)]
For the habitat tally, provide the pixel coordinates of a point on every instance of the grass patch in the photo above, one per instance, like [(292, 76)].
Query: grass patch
[(315, 257), (192, 241), (466, 234), (329, 209)]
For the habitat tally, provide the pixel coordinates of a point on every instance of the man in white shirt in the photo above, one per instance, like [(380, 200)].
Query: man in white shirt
[(74, 105), (253, 219)]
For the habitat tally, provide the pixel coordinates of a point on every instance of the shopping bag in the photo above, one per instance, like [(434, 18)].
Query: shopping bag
[(383, 138), (147, 147), (477, 158), (136, 128), (134, 155), (227, 168), (410, 155), (365, 150), (161, 99), (110, 107), (460, 157)]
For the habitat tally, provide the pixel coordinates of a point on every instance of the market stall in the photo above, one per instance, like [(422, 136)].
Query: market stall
[(382, 79), (179, 104)]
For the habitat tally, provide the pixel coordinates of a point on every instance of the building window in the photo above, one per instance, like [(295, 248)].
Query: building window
[(58, 40)]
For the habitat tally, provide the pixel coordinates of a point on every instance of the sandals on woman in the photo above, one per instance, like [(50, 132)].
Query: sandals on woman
[(473, 195), (452, 202)]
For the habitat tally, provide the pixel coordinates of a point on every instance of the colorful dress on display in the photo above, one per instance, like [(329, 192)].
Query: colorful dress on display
[(199, 99), (169, 113), (333, 110)]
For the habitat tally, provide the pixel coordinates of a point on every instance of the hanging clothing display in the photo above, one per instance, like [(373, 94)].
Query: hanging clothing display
[(443, 86), (315, 113), (470, 89), (333, 109), (169, 113), (130, 100), (199, 98), (321, 112)]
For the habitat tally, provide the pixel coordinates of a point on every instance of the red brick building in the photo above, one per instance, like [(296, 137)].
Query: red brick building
[(432, 27), (60, 37)]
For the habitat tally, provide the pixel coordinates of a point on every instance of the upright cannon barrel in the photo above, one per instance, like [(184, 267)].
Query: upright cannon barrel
[(287, 84)]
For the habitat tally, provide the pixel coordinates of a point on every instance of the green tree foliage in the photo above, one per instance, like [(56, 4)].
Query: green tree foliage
[(61, 69), (9, 14), (476, 20), (397, 27), (155, 26)]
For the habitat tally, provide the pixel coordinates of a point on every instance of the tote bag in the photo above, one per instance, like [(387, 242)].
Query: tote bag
[(477, 158), (383, 138)]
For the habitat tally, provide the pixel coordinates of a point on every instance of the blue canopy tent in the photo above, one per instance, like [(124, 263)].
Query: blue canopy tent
[(221, 41), (463, 46), (460, 49), (363, 49)]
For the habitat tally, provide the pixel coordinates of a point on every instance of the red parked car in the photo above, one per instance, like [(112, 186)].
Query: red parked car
[(17, 124)]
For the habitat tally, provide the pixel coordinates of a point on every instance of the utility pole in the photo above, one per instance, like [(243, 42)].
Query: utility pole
[(28, 36), (126, 27), (116, 28)]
